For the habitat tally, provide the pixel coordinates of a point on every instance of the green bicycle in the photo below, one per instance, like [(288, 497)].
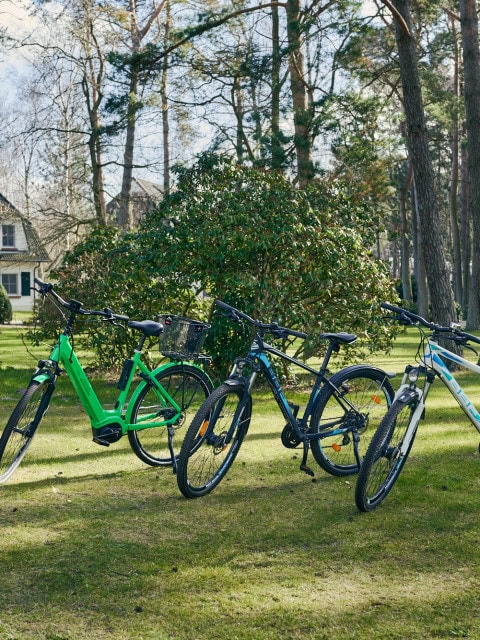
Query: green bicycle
[(164, 400)]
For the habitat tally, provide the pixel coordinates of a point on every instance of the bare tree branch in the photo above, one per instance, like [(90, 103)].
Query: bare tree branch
[(398, 17)]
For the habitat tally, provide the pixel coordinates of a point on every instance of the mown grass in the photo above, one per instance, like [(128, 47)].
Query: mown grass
[(95, 544)]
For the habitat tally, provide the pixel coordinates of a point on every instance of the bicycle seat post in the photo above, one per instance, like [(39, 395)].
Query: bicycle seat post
[(333, 346), (141, 342)]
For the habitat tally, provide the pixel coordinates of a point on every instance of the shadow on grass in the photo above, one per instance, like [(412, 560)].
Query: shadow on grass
[(122, 555)]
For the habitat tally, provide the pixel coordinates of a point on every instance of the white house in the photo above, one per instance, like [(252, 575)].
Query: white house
[(21, 256)]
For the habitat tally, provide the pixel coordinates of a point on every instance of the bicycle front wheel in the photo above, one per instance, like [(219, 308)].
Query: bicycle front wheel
[(213, 440), (21, 427), (349, 411), (188, 386), (383, 461)]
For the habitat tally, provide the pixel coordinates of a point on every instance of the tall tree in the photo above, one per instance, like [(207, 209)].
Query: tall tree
[(471, 61), (441, 294), (92, 62), (132, 66)]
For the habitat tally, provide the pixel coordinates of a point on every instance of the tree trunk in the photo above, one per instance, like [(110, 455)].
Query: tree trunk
[(125, 211), (405, 246), (455, 230), (165, 113), (423, 298), (465, 226), (471, 61), (301, 113), (276, 143), (97, 174), (438, 277), (92, 82), (237, 102)]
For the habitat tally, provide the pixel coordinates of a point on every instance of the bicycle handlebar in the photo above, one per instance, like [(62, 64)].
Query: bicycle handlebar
[(408, 317), (74, 305), (273, 327)]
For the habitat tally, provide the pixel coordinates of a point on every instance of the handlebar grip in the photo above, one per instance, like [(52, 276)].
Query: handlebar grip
[(407, 315), (223, 305), (390, 307), (45, 287), (298, 334), (236, 312)]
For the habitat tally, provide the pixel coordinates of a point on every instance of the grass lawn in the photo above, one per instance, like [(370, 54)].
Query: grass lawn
[(95, 544)]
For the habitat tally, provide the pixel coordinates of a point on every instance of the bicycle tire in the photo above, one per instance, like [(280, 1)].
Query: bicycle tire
[(205, 455), (189, 387), (370, 392), (382, 464), (22, 425)]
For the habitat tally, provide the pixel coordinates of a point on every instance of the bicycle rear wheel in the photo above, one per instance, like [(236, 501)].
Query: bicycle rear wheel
[(22, 425), (349, 408), (188, 386), (383, 461), (213, 440)]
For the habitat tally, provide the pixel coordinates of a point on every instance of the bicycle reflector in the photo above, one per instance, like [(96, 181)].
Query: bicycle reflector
[(376, 399), (336, 447)]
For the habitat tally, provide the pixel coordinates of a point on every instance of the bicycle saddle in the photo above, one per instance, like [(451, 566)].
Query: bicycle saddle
[(147, 327), (346, 338)]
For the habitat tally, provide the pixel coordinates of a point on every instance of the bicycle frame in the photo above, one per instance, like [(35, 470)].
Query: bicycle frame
[(64, 354), (257, 354), (432, 361)]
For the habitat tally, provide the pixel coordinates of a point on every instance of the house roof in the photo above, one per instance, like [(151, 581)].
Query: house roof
[(150, 189), (36, 251), (144, 195)]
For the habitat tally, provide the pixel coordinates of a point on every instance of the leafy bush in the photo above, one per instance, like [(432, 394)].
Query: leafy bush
[(103, 271), (251, 238), (5, 306)]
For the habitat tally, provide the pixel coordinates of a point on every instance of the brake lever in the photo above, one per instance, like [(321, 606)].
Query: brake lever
[(110, 317)]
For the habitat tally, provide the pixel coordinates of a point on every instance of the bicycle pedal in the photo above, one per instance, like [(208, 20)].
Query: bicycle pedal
[(307, 470), (104, 443)]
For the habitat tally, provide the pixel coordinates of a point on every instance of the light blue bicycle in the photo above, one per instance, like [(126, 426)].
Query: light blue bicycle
[(391, 444)]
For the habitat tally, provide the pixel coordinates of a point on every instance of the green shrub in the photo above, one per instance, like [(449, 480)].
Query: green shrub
[(105, 271), (5, 306), (249, 237)]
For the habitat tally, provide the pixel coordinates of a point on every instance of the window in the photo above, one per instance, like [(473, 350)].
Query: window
[(8, 235), (10, 282)]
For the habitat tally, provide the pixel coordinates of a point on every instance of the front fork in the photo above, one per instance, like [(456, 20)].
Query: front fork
[(47, 371), (410, 392)]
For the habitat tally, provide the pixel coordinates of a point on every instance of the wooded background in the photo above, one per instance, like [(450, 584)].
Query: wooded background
[(383, 95)]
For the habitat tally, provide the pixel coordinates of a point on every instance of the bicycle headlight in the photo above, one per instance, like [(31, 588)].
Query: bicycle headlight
[(413, 375)]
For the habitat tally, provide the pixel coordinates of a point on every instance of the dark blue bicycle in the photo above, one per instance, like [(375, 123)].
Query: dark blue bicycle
[(342, 413)]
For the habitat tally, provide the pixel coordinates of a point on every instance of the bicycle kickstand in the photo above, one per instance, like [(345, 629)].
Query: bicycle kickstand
[(356, 440), (171, 433), (303, 466)]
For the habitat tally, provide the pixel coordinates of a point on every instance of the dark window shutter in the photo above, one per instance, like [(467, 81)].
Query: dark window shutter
[(25, 277)]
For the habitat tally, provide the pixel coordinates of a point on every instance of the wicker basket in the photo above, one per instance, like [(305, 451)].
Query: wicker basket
[(182, 338)]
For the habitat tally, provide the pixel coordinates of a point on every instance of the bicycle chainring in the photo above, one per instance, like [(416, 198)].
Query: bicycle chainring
[(289, 438)]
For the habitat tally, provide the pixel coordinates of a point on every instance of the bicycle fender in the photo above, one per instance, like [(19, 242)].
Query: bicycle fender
[(41, 376), (408, 395), (354, 367), (234, 382)]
